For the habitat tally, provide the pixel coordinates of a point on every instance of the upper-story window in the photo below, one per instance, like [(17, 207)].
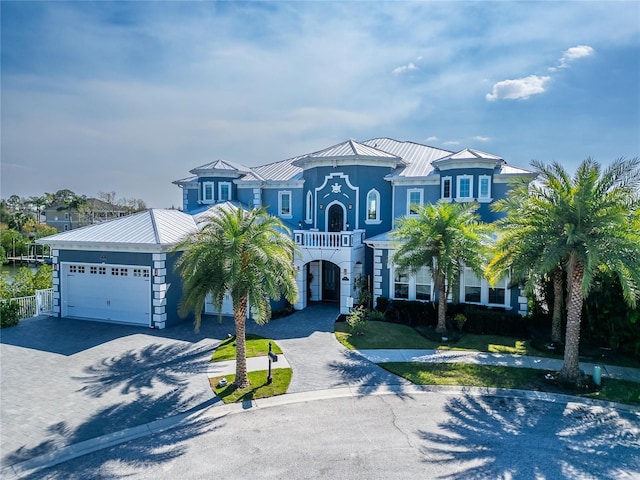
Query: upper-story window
[(414, 199), (224, 191), (207, 191), (284, 204), (445, 188), (484, 188), (373, 207), (309, 207), (465, 188)]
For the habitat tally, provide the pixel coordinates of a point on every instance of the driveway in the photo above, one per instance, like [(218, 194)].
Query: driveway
[(65, 381)]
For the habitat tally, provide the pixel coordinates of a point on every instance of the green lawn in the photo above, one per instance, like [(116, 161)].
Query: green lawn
[(258, 388), (257, 346), (382, 335), (461, 374)]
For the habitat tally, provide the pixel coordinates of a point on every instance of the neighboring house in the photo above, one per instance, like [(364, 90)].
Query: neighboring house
[(91, 212), (341, 204)]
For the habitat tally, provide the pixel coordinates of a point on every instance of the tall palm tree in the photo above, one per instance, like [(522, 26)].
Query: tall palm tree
[(519, 250), (591, 224), (444, 237), (248, 255)]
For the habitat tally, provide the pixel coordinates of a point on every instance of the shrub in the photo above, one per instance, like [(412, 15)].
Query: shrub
[(9, 313), (375, 316), (460, 320), (357, 321)]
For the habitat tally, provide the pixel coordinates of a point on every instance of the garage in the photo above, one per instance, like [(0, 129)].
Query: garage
[(117, 293)]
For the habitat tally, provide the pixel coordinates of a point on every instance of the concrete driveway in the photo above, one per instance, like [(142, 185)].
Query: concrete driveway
[(65, 381)]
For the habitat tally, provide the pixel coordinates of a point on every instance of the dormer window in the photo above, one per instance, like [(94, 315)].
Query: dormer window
[(224, 191), (445, 192), (484, 188), (207, 192), (465, 188)]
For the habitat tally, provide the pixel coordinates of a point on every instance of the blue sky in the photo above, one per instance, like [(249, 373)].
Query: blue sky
[(128, 96)]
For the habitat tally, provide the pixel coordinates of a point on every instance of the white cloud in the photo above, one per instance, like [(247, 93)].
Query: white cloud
[(572, 54), (404, 68), (519, 88), (431, 139), (451, 142), (479, 138)]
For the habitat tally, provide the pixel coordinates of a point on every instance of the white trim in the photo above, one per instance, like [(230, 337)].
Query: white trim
[(450, 180), (281, 194), (412, 285), (308, 216), (220, 185), (409, 203), (378, 219), (344, 215), (484, 290), (484, 198), (204, 198), (347, 181), (460, 198)]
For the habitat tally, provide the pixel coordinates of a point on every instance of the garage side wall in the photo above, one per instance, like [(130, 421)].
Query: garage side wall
[(174, 291)]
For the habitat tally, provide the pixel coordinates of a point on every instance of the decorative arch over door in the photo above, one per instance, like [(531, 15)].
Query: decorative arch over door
[(335, 218)]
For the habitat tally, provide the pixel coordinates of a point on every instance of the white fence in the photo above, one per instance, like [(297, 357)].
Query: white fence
[(39, 304)]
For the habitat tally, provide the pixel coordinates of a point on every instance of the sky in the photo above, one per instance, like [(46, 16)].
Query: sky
[(129, 96)]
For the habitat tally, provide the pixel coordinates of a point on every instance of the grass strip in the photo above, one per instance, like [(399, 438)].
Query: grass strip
[(256, 346), (460, 374), (382, 335), (258, 388)]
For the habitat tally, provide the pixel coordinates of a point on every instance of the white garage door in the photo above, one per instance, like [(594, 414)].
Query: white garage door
[(118, 293), (227, 306)]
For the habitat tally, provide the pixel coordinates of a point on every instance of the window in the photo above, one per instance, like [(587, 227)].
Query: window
[(423, 284), (484, 188), (284, 204), (373, 207), (80, 268), (224, 191), (401, 285), (472, 287), (414, 198), (207, 192), (465, 187), (73, 269), (309, 209), (102, 270), (446, 188), (93, 270), (497, 295)]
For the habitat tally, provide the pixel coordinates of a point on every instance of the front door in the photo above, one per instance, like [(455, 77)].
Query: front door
[(330, 282), (336, 218)]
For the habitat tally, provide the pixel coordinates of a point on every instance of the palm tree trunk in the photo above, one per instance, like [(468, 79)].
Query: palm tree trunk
[(442, 306), (556, 324), (571, 369), (240, 317)]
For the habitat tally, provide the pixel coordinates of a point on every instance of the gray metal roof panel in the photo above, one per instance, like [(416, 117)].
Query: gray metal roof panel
[(151, 227), (419, 157)]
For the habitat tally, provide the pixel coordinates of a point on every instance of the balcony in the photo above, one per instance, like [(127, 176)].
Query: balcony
[(328, 240)]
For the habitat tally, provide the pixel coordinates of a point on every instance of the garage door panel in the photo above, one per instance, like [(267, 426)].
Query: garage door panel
[(107, 292)]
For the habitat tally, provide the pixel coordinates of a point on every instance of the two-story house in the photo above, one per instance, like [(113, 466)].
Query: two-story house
[(341, 204)]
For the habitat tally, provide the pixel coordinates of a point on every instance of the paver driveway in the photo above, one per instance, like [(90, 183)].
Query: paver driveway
[(65, 381)]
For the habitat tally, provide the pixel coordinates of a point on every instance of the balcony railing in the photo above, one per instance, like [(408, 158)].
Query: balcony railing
[(331, 240)]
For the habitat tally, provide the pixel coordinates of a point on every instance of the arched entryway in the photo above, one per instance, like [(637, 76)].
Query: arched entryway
[(335, 218)]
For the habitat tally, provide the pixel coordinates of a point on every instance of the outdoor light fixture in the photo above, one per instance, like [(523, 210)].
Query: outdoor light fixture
[(347, 224), (155, 272), (300, 225)]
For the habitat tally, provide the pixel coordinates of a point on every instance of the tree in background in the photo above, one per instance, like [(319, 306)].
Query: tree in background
[(443, 237), (248, 255)]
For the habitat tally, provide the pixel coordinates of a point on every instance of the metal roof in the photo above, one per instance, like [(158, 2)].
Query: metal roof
[(350, 148), (471, 154), (221, 165), (279, 171), (151, 227), (419, 157)]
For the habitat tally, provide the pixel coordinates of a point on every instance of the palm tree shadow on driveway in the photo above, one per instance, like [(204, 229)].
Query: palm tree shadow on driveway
[(496, 437)]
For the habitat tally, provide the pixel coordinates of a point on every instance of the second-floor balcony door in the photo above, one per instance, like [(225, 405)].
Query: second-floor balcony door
[(336, 218)]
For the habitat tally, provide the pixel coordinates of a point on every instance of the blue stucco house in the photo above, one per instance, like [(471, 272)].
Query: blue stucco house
[(341, 204)]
